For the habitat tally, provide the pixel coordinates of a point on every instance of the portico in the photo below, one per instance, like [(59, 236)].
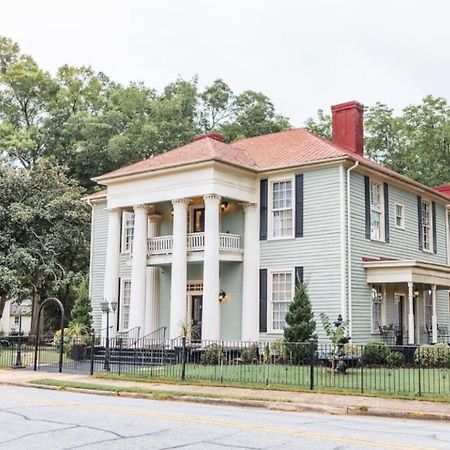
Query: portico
[(417, 277)]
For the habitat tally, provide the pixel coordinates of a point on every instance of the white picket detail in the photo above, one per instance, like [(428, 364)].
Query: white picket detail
[(195, 242), (160, 245), (229, 242)]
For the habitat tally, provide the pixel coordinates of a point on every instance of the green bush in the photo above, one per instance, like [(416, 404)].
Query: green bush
[(396, 359), (212, 355), (376, 352), (279, 350), (437, 355), (249, 355)]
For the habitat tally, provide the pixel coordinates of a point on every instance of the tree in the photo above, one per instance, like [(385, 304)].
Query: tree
[(81, 313), (300, 323), (44, 233), (320, 126)]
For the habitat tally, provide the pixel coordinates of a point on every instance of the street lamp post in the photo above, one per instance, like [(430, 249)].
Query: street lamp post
[(18, 364), (106, 309)]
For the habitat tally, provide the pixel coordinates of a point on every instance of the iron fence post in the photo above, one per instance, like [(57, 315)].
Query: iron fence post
[(362, 371), (311, 364), (120, 358), (183, 358), (91, 371), (419, 378)]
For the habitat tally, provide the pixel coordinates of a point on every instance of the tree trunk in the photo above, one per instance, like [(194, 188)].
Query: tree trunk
[(2, 303), (36, 304)]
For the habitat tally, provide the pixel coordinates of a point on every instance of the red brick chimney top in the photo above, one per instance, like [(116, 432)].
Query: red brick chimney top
[(216, 136), (348, 127)]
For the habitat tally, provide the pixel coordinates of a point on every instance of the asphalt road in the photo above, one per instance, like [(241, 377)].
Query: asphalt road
[(46, 420)]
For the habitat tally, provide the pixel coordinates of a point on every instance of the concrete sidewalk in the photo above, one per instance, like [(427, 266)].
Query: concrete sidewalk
[(270, 399)]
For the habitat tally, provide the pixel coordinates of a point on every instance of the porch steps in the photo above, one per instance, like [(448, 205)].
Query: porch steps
[(139, 356)]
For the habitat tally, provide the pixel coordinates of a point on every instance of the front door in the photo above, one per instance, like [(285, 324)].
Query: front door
[(197, 303)]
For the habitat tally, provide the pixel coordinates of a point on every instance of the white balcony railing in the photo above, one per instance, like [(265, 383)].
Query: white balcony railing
[(162, 245)]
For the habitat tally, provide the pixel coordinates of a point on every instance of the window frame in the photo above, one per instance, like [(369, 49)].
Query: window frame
[(123, 241), (123, 281), (382, 237), (381, 295), (271, 182), (425, 293), (403, 220), (271, 273), (430, 225)]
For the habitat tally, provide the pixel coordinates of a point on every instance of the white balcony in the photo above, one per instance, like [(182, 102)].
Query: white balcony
[(160, 247)]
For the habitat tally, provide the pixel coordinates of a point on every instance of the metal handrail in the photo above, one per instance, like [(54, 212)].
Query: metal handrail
[(147, 336)]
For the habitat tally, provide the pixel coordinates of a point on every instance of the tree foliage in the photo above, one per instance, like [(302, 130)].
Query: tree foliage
[(415, 143), (81, 314)]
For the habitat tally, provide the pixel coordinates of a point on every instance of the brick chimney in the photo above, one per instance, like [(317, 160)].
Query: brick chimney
[(348, 128)]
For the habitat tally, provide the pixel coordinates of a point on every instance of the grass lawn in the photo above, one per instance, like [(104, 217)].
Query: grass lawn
[(47, 355), (392, 380)]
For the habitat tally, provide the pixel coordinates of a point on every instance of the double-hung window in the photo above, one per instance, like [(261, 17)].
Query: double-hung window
[(377, 298), (376, 210), (127, 232), (428, 305), (399, 216), (125, 306), (427, 226), (282, 292), (282, 209)]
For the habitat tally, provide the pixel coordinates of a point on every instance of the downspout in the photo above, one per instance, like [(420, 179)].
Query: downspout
[(91, 249), (343, 242), (349, 249)]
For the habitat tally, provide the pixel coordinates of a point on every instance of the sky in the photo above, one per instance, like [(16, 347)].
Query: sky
[(304, 55)]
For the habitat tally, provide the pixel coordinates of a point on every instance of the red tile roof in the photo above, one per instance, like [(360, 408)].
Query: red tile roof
[(444, 189), (99, 194)]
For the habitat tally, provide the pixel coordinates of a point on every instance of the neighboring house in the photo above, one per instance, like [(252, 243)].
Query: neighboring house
[(248, 220), (10, 319)]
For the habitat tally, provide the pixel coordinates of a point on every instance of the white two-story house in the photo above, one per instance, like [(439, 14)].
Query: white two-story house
[(219, 234)]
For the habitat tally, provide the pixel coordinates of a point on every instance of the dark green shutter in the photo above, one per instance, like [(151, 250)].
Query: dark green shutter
[(386, 212), (367, 205), (433, 211), (263, 300), (298, 276), (263, 200), (299, 205), (419, 220)]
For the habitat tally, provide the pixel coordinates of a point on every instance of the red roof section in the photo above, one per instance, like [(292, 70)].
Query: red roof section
[(444, 189)]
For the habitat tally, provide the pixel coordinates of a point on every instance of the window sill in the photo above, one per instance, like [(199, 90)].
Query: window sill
[(399, 228), (284, 238), (381, 241), (275, 332), (428, 251)]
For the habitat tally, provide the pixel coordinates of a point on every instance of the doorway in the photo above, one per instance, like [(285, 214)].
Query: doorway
[(196, 317), (198, 219), (399, 317)]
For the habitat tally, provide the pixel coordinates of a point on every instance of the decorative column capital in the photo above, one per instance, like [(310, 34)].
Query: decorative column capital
[(248, 206), (142, 207), (181, 202), (155, 218), (213, 197), (115, 210)]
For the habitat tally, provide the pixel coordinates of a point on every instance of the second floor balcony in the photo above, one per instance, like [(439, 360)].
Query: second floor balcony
[(159, 249)]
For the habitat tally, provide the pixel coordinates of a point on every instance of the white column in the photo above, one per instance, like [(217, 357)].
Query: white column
[(111, 286), (411, 333), (179, 267), (138, 268), (152, 283), (250, 270), (211, 288), (434, 322)]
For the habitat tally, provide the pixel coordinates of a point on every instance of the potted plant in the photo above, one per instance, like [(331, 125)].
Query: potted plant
[(78, 333)]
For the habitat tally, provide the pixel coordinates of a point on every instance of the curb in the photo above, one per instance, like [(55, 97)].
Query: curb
[(261, 404)]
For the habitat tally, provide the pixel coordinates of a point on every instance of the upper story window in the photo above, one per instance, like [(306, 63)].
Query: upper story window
[(376, 210), (427, 232), (282, 294), (127, 231), (282, 209), (399, 216)]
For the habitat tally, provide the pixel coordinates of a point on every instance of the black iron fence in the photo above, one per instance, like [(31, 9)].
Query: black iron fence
[(375, 367)]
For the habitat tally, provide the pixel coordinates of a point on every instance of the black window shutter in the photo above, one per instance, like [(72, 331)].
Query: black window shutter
[(263, 300), (299, 205), (386, 212), (263, 193), (298, 276), (367, 204), (419, 220), (433, 212)]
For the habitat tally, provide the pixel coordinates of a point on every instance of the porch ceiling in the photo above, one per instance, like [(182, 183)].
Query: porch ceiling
[(404, 271)]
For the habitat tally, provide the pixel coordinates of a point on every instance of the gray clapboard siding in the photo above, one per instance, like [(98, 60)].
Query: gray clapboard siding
[(318, 251), (97, 275), (403, 245)]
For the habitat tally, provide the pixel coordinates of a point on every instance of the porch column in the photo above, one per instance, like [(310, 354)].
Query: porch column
[(250, 269), (138, 268), (211, 288), (152, 283), (411, 313), (179, 267), (111, 286), (434, 322)]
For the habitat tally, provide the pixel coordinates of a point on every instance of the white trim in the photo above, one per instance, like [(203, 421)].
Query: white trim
[(402, 300), (343, 241), (372, 329), (119, 312), (270, 182), (425, 309), (403, 216), (270, 273)]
